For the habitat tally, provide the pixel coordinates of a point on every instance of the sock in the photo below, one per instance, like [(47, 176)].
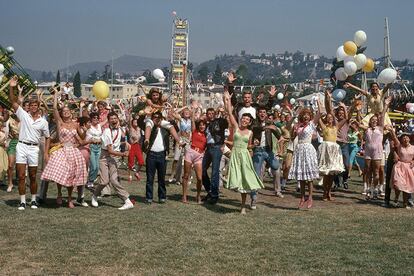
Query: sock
[(365, 186), (23, 199), (34, 197)]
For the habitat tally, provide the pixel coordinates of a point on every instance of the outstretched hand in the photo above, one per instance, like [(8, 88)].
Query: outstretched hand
[(13, 81), (388, 100), (272, 91), (231, 77)]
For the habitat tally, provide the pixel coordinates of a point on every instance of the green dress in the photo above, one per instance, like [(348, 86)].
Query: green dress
[(242, 177)]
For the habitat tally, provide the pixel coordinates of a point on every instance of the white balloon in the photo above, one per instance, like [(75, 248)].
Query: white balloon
[(218, 96), (280, 96), (277, 107), (141, 79), (338, 94), (348, 59), (360, 37), (360, 60), (350, 68), (10, 50), (158, 74), (1, 68), (292, 101), (388, 75), (340, 53), (340, 74)]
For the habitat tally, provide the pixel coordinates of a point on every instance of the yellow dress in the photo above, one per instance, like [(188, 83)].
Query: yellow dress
[(376, 105), (330, 160), (4, 160)]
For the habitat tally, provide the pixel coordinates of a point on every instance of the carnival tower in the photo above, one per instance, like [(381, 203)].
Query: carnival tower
[(179, 60)]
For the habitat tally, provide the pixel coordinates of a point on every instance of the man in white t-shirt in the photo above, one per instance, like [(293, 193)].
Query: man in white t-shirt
[(32, 128), (108, 165)]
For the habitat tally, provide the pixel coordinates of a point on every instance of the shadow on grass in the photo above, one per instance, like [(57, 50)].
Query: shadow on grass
[(274, 206)]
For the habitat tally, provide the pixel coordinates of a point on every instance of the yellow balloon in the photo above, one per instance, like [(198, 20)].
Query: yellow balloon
[(350, 48), (100, 90), (369, 66)]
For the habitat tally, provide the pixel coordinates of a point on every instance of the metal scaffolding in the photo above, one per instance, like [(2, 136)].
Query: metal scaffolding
[(179, 60)]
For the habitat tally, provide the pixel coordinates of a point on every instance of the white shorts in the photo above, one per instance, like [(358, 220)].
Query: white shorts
[(28, 155)]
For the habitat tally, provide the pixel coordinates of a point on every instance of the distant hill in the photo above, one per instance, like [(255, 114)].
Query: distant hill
[(124, 64), (273, 68), (129, 64)]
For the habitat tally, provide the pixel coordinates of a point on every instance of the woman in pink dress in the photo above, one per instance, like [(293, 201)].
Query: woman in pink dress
[(403, 172), (66, 166), (373, 151)]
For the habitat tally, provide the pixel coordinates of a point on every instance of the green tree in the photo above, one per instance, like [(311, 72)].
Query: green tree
[(93, 77), (77, 85), (203, 73), (217, 77), (58, 77), (241, 72)]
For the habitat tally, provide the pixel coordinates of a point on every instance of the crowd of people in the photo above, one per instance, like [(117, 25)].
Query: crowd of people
[(82, 145)]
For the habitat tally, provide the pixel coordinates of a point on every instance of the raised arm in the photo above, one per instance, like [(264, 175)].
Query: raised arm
[(12, 96), (385, 90), (56, 114), (328, 101), (361, 91), (393, 136), (229, 108), (387, 102), (318, 114), (193, 127)]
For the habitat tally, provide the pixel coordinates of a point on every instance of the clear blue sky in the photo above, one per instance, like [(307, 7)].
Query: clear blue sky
[(47, 33)]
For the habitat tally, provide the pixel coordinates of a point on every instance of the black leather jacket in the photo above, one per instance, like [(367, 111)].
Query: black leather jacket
[(257, 129), (216, 129)]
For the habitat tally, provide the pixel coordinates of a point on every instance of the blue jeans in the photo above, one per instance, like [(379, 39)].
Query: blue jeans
[(95, 154), (260, 156), (212, 156), (156, 163), (345, 156)]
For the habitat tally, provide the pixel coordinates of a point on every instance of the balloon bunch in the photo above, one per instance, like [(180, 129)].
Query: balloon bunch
[(350, 60)]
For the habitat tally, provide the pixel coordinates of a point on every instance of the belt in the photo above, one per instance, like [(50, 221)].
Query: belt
[(213, 145), (29, 144), (197, 149)]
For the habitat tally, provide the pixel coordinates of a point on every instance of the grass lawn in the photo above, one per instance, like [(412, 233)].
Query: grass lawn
[(347, 236)]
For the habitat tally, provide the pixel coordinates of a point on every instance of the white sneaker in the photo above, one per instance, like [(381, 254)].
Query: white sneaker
[(365, 190), (279, 194), (94, 201), (127, 205), (22, 206), (381, 189)]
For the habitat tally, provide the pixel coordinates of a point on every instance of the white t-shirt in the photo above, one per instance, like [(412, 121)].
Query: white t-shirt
[(111, 137), (158, 145), (94, 132), (31, 130), (251, 110)]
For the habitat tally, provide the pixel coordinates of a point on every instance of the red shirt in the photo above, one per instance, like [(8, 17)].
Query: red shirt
[(198, 140)]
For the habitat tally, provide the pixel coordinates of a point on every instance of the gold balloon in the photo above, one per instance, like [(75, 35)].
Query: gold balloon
[(350, 48), (100, 90), (369, 66)]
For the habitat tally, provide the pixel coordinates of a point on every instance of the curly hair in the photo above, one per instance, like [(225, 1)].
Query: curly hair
[(303, 112)]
